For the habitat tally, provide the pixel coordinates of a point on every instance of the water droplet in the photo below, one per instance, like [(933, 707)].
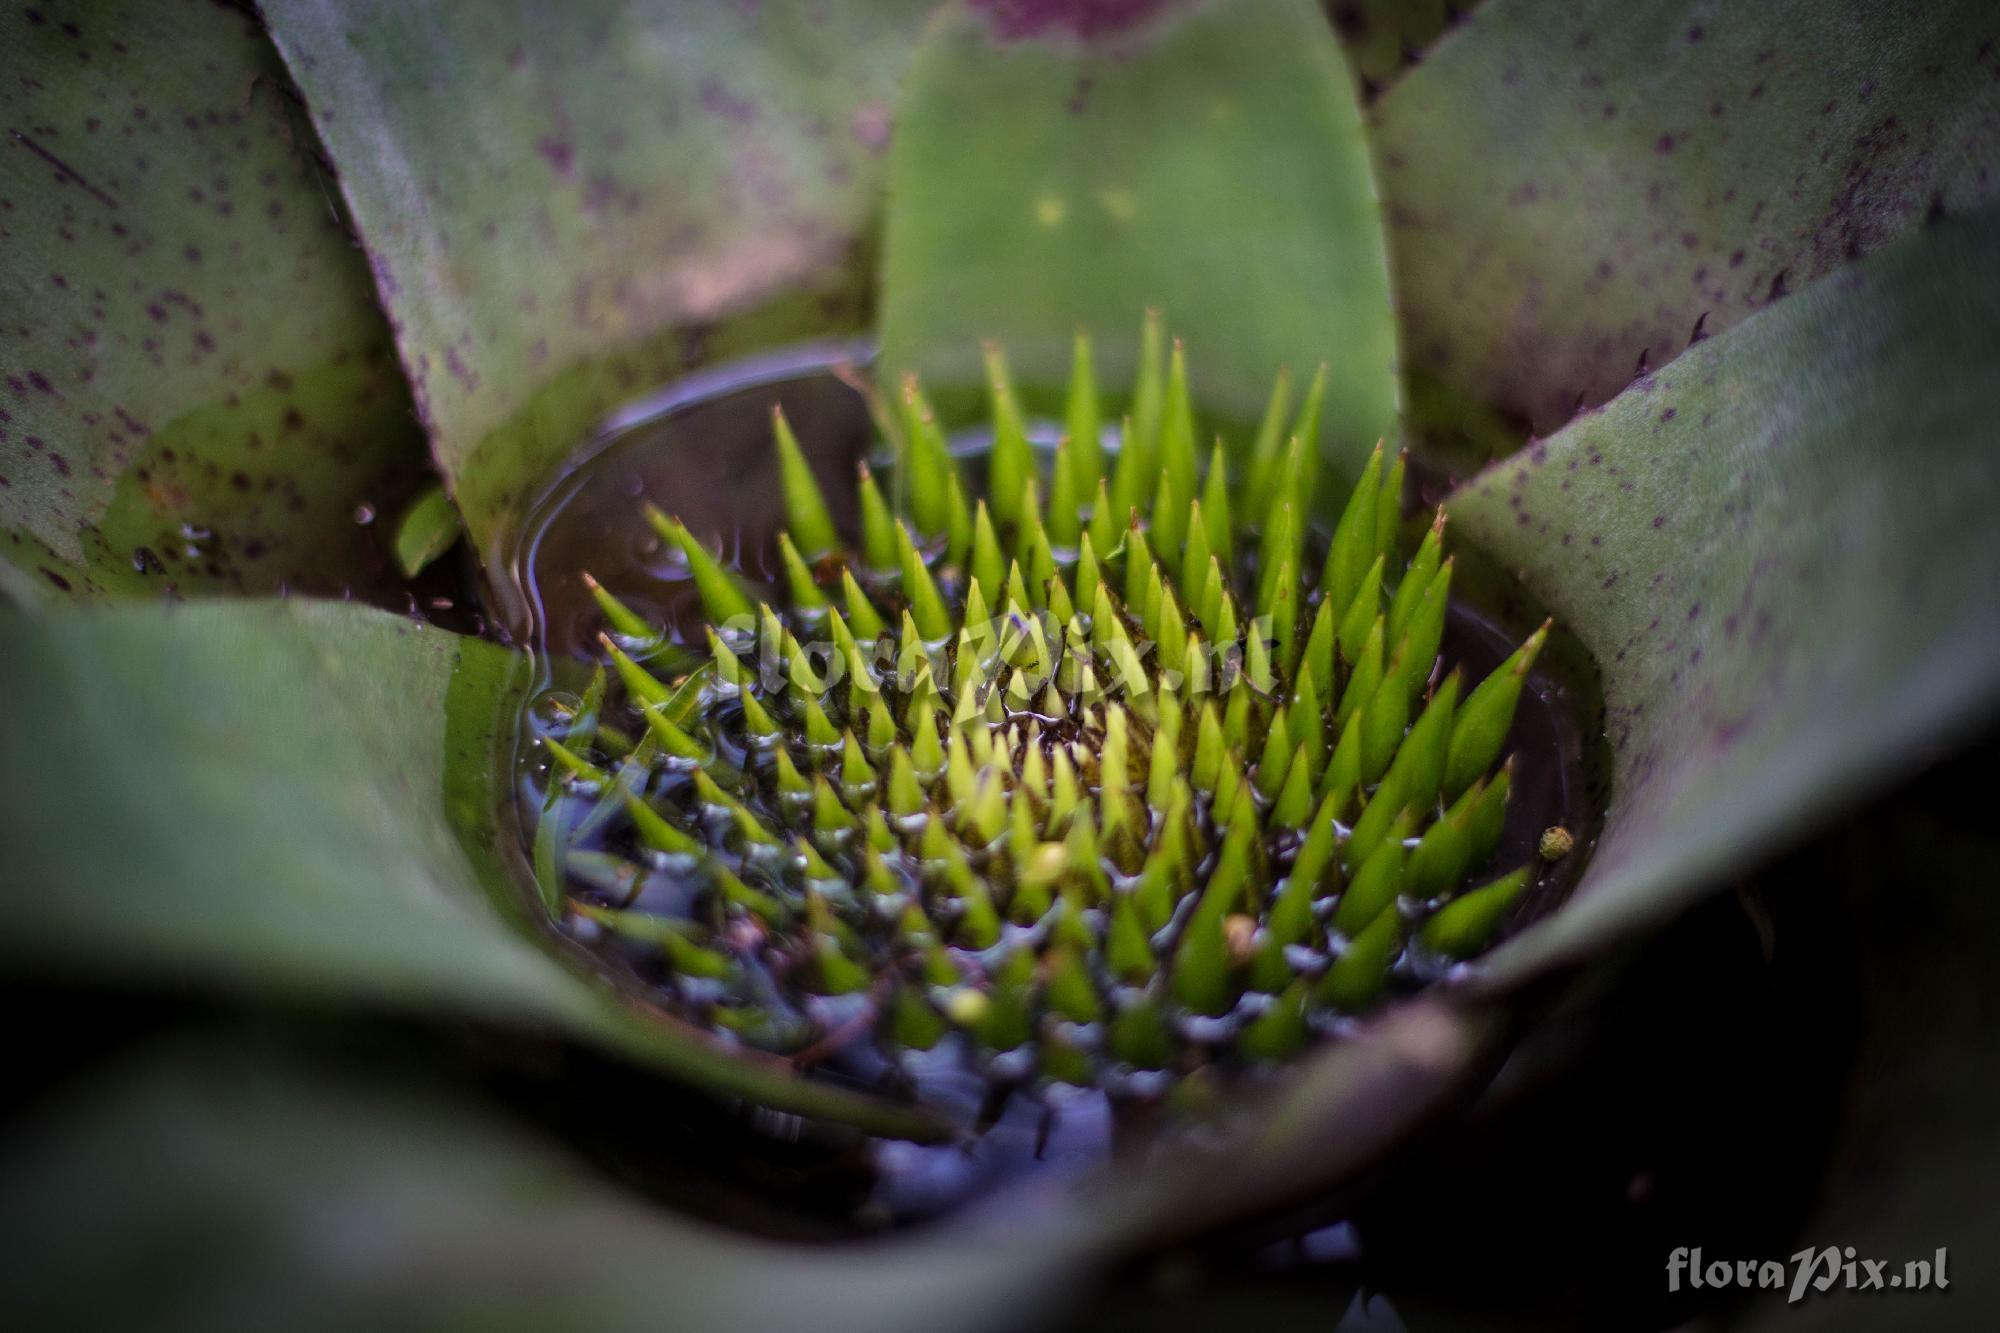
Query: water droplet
[(552, 710)]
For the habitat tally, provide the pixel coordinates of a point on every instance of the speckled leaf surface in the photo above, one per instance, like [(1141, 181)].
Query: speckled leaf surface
[(1207, 161), (196, 387), (565, 205), (283, 1190), (1572, 186), (1781, 550), (293, 798)]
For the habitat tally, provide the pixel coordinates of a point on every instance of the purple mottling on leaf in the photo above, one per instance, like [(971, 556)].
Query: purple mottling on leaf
[(1087, 19)]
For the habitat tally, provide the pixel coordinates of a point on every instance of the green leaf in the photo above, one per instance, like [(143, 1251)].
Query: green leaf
[(1781, 552), (255, 1185), (1209, 164), (1571, 186), (565, 205), (199, 392), (299, 799), (427, 531)]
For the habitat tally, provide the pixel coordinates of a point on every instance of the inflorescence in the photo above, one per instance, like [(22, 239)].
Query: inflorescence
[(1089, 777)]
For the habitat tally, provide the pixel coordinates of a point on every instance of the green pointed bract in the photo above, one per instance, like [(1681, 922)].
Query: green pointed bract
[(1415, 655), (1416, 579), (1420, 759), (1352, 548), (857, 775), (1361, 973), (721, 596), (1139, 566), (1383, 721), (1306, 430), (1222, 619), (1056, 594), (799, 582), (830, 814), (1170, 520), (1376, 882), (913, 1022), (1262, 647), (1138, 449), (1467, 925), (672, 741), (988, 565), (878, 527), (1439, 860), (1128, 952), (1036, 557), (791, 784), (640, 683), (1485, 813), (1361, 613), (1268, 446), (1482, 724), (1180, 449), (1389, 504), (1011, 463), (1197, 564), (927, 606), (758, 721), (927, 466), (1082, 424), (1295, 798), (806, 516), (1284, 618), (1064, 517), (1069, 989), (1374, 823), (1308, 722), (1217, 519), (1290, 923), (1280, 543), (1060, 808), (864, 621), (1295, 488), (820, 733), (1276, 758), (1364, 675), (1139, 1036), (1315, 868), (1280, 1031), (623, 620), (1088, 575), (958, 522), (1107, 522), (569, 761), (723, 659)]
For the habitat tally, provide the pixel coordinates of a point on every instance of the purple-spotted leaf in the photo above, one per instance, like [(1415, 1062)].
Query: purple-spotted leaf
[(1205, 160), (197, 390), (300, 800), (1571, 187), (566, 205), (1780, 549)]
